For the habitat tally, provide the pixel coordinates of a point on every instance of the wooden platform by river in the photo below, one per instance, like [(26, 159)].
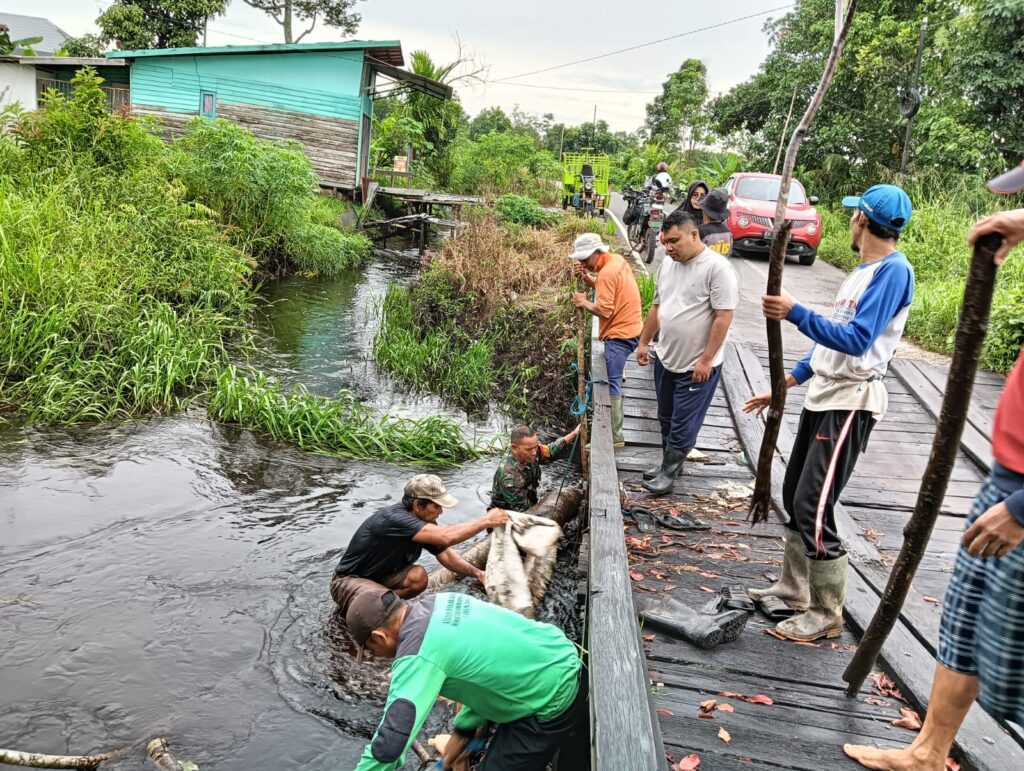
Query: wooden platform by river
[(646, 687)]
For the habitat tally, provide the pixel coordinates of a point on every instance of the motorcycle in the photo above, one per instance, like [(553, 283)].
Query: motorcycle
[(586, 202), (644, 217)]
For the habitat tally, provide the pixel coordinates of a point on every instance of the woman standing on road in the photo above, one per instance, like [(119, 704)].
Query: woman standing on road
[(694, 196)]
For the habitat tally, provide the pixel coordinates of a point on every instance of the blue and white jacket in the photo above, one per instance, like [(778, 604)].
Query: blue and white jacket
[(852, 349)]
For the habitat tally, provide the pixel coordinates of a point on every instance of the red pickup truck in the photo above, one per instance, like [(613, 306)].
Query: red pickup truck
[(752, 199)]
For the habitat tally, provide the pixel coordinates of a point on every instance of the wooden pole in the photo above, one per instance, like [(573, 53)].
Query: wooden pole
[(970, 335), (782, 136), (581, 384), (917, 84), (159, 754), (760, 502)]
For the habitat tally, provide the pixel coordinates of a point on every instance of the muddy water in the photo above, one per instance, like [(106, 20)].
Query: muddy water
[(169, 577)]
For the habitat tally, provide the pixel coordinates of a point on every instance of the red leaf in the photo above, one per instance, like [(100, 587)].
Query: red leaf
[(690, 763), (725, 708), (705, 589), (708, 705), (666, 539), (772, 633), (636, 575), (648, 637), (731, 694), (665, 712), (649, 590), (732, 523), (932, 600), (706, 715), (877, 702), (724, 735), (759, 699), (708, 574), (884, 686), (670, 587), (910, 720)]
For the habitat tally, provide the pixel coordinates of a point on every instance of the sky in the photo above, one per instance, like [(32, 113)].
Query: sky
[(512, 38)]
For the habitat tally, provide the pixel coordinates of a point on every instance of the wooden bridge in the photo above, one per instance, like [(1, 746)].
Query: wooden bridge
[(647, 689)]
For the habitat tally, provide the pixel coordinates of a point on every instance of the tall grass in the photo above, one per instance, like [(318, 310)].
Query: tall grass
[(647, 285), (340, 426), (935, 242)]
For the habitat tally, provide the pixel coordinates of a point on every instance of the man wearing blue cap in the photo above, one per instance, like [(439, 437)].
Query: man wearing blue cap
[(845, 397)]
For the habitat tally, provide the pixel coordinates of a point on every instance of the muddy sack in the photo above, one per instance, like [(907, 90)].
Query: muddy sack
[(520, 562)]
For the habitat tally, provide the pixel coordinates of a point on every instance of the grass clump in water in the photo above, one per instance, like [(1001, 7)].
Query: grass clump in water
[(340, 426)]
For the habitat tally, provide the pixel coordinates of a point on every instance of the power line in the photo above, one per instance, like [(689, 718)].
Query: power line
[(649, 43), (570, 88)]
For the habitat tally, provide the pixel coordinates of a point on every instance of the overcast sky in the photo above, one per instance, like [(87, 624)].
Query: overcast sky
[(514, 37)]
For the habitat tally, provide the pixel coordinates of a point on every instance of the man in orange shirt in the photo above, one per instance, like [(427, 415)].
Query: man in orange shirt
[(617, 307)]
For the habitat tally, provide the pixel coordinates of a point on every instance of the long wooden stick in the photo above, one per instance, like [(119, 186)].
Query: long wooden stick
[(760, 502), (40, 760), (581, 379), (970, 335)]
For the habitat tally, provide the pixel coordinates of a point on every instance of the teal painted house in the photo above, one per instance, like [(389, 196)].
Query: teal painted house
[(318, 94)]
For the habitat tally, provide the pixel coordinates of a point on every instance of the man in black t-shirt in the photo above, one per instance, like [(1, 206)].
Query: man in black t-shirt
[(713, 231), (384, 549)]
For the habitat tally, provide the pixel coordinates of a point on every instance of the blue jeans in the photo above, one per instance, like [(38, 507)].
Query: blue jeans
[(615, 354), (682, 405)]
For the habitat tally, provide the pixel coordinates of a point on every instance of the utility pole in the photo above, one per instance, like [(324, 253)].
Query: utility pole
[(593, 134), (917, 90), (561, 142), (782, 136)]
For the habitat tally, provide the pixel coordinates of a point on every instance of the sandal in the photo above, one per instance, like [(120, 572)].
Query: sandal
[(644, 519), (734, 597), (775, 609), (680, 522)]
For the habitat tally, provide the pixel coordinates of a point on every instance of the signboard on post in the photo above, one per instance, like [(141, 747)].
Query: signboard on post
[(401, 163)]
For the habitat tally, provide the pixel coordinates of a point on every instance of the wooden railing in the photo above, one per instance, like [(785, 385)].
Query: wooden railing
[(117, 97), (624, 726)]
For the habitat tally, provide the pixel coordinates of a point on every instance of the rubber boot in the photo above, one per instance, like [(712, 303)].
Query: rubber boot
[(653, 471), (671, 462), (792, 587), (824, 617), (617, 439), (701, 629)]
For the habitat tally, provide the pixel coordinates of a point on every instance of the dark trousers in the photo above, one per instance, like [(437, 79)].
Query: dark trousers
[(615, 354), (682, 405), (529, 744), (824, 454)]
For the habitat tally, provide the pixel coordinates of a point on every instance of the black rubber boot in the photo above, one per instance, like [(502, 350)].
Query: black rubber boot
[(655, 470), (672, 461), (704, 630)]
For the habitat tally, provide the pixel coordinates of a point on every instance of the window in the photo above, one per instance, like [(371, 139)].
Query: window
[(767, 189), (208, 104)]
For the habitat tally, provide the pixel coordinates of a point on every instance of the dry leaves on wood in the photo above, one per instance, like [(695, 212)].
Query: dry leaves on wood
[(724, 735), (648, 637), (877, 702), (758, 699), (725, 708), (665, 712), (910, 720), (636, 575), (770, 631), (689, 763), (706, 589), (884, 686), (708, 705), (670, 587)]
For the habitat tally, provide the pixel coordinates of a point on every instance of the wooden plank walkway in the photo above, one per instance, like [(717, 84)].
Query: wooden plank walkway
[(810, 717)]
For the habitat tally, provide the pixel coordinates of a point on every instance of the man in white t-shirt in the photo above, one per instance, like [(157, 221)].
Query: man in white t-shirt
[(696, 296)]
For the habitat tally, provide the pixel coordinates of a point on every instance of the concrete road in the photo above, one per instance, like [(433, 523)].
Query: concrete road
[(812, 285)]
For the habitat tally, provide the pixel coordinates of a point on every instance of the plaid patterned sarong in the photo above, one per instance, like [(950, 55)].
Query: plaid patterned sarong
[(982, 628)]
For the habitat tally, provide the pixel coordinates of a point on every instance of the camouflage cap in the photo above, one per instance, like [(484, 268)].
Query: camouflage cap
[(431, 488)]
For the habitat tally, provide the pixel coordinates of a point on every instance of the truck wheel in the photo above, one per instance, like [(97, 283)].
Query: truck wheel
[(808, 259), (652, 245)]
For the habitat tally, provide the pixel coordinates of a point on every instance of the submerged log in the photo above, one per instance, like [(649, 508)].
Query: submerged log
[(562, 508), (40, 760), (160, 755)]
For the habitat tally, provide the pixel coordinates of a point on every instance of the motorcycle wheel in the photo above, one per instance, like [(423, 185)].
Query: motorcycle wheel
[(651, 246)]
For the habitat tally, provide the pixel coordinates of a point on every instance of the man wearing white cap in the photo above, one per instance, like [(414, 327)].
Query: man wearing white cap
[(617, 307), (384, 549)]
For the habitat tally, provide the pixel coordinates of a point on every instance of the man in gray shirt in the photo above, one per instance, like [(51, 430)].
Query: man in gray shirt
[(697, 293)]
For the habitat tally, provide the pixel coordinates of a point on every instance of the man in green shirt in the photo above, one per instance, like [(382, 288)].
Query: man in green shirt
[(518, 474), (503, 668)]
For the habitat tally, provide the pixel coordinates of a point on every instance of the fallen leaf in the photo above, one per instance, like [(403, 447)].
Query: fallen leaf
[(807, 644), (708, 705), (877, 702), (665, 712), (730, 694), (759, 699), (708, 574), (647, 589), (654, 675), (772, 633), (689, 763), (884, 686), (636, 575), (706, 715), (835, 646), (725, 708), (648, 637), (666, 539), (932, 600), (705, 589), (732, 523), (910, 720), (670, 587), (952, 765), (724, 735)]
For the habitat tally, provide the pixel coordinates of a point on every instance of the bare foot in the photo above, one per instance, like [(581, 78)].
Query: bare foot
[(905, 759)]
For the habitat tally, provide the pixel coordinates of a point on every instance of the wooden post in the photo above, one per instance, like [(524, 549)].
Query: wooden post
[(970, 335), (782, 135), (917, 84), (760, 502)]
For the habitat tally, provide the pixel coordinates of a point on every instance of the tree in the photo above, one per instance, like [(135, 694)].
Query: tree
[(489, 120), (676, 117), (88, 45), (333, 13), (8, 46), (134, 24)]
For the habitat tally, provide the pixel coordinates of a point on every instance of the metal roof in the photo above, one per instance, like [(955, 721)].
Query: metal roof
[(410, 80), (387, 51), (64, 61), (35, 26)]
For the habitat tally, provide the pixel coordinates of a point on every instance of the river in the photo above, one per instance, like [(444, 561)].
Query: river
[(169, 576)]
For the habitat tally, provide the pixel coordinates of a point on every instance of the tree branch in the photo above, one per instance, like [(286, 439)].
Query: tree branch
[(299, 38)]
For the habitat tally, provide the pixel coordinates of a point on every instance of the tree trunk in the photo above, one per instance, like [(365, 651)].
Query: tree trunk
[(970, 335), (562, 508), (286, 20), (760, 502), (39, 760)]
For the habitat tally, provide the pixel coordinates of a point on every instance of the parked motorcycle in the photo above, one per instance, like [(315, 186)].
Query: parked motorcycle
[(645, 214), (587, 202)]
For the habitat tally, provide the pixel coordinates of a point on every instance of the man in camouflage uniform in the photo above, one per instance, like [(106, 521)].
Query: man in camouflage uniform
[(518, 475)]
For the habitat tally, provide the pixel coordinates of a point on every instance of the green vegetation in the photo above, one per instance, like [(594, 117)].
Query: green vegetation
[(340, 426), (645, 281), (522, 210)]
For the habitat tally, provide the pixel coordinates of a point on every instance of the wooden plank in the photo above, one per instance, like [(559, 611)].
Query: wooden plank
[(624, 729)]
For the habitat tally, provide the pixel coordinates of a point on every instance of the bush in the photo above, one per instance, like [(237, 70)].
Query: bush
[(499, 163), (521, 210)]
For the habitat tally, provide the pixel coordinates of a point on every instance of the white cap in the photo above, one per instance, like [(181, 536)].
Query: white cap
[(586, 245)]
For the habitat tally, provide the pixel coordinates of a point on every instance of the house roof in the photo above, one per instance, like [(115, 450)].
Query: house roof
[(410, 80), (63, 61), (387, 51), (35, 26)]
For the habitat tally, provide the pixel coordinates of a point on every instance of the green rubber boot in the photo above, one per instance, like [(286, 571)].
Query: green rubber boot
[(617, 416), (824, 617), (793, 586)]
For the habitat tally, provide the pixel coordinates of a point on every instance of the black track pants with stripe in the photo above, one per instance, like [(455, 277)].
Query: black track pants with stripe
[(824, 454)]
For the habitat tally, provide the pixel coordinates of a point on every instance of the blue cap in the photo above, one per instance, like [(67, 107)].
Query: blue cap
[(886, 205)]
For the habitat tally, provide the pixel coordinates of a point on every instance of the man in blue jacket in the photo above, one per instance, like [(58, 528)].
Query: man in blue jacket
[(845, 398)]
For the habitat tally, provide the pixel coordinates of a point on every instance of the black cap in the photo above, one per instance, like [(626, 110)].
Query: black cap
[(369, 610), (716, 204)]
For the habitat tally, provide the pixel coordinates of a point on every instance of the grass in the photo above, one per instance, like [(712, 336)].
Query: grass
[(935, 242), (646, 282), (342, 426)]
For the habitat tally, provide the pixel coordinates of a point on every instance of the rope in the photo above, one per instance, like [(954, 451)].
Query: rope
[(474, 745), (577, 408)]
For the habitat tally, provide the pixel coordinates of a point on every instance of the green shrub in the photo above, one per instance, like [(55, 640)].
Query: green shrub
[(522, 210)]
